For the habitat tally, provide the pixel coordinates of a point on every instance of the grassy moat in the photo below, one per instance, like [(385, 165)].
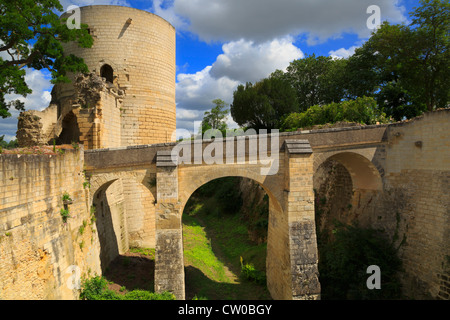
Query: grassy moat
[(212, 255), (221, 262), (213, 248), (225, 249)]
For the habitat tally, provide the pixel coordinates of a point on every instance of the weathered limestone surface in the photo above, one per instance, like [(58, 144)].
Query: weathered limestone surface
[(399, 175), (37, 249), (169, 259)]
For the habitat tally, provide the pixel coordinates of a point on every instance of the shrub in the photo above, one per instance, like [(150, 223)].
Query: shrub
[(226, 191), (65, 215), (249, 272), (147, 295), (96, 288), (66, 197), (344, 260), (362, 110)]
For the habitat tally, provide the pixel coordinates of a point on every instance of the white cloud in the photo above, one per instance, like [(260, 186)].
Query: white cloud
[(246, 61), (40, 84), (263, 20), (8, 137), (184, 114), (160, 8), (196, 91), (342, 52), (241, 61)]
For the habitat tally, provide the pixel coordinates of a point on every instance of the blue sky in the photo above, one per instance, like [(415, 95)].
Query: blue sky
[(223, 43)]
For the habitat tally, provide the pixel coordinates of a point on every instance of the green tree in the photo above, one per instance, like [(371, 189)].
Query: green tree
[(361, 75), (31, 35), (396, 102), (429, 72), (408, 66), (216, 118), (316, 80), (264, 104), (7, 145)]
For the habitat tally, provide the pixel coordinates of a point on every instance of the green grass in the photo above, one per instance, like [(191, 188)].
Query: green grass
[(232, 239), (144, 251), (214, 241), (210, 273), (198, 251)]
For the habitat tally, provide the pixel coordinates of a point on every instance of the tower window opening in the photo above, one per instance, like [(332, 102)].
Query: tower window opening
[(107, 72)]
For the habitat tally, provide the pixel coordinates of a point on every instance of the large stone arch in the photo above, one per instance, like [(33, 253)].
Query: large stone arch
[(107, 204), (277, 260), (144, 177), (191, 179), (364, 173), (125, 210), (346, 185)]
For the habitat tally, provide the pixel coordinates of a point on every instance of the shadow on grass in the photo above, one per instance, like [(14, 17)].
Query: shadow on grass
[(132, 272), (223, 233), (137, 272), (200, 286)]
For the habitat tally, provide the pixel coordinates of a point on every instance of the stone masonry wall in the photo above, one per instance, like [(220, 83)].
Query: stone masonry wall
[(140, 208), (37, 249), (416, 187)]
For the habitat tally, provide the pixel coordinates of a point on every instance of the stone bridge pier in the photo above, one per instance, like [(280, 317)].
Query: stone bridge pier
[(291, 265), (169, 261)]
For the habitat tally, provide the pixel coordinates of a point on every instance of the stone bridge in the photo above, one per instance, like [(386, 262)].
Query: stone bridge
[(283, 164)]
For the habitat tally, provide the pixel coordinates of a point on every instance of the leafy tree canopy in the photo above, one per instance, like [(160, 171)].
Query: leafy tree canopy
[(262, 105), (31, 35), (316, 80), (404, 68), (408, 66), (216, 118)]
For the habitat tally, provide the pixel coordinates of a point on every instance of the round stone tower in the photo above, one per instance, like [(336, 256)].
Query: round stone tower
[(135, 51)]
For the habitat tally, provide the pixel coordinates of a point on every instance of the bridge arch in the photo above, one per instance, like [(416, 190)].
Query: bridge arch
[(124, 206), (364, 173), (277, 259), (192, 183), (144, 177), (345, 183)]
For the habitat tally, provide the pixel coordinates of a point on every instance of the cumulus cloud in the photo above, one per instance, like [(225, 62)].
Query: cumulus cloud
[(263, 20), (164, 9), (241, 61), (259, 38), (39, 83), (196, 91), (246, 61), (342, 52)]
